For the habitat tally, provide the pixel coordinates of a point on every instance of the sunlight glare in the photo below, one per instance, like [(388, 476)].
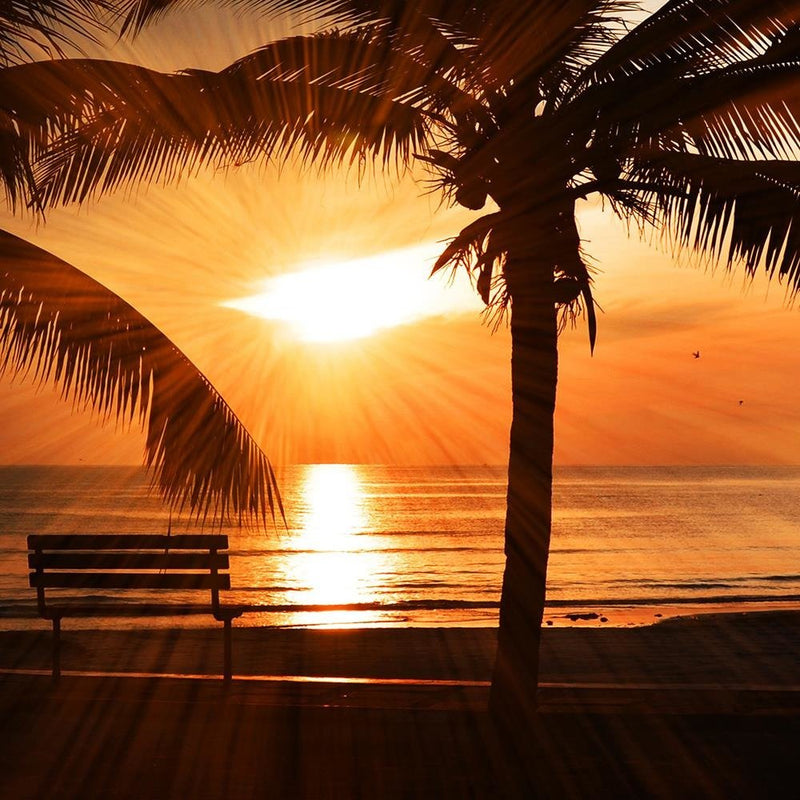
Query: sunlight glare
[(337, 301), (333, 503), (335, 564)]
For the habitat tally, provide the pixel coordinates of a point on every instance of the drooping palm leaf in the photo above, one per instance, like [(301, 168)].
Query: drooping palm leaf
[(718, 76), (412, 29), (59, 325)]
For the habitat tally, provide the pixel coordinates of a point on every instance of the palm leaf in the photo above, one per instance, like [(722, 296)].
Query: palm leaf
[(16, 174), (684, 37), (747, 110), (755, 206), (551, 41), (366, 60), (741, 103), (478, 43), (59, 325), (750, 110), (408, 24), (488, 32), (120, 122), (469, 246), (26, 27)]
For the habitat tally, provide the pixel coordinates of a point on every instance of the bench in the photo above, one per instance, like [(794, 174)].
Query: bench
[(184, 563)]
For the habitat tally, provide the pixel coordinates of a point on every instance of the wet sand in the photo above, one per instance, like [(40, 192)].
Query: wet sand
[(691, 707)]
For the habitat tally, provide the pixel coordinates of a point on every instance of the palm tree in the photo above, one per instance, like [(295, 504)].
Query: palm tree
[(58, 324), (688, 122)]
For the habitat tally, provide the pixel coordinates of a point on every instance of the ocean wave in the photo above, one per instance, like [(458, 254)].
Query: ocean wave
[(667, 600), (698, 585)]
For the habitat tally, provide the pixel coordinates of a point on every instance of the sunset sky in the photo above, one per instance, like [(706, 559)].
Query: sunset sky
[(259, 275)]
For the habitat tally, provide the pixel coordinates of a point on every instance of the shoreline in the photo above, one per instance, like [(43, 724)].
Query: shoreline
[(756, 647), (23, 615)]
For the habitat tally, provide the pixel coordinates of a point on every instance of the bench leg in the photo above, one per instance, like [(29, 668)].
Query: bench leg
[(56, 648), (227, 654)]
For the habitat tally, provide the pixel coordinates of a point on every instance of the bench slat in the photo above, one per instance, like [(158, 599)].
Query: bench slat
[(128, 561), (128, 580), (129, 541)]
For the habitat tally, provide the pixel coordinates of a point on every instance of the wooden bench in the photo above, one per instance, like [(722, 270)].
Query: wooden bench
[(192, 562)]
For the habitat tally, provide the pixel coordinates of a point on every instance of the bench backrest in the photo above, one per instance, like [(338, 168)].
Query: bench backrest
[(129, 561)]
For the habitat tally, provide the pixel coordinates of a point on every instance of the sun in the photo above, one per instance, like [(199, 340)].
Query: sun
[(341, 300)]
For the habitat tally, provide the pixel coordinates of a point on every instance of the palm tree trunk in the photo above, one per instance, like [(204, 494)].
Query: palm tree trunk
[(534, 368)]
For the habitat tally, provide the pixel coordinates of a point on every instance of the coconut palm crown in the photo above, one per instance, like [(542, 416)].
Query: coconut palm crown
[(686, 122), (60, 326)]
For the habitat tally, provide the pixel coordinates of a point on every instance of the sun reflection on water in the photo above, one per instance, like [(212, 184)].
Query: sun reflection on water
[(334, 507), (333, 563)]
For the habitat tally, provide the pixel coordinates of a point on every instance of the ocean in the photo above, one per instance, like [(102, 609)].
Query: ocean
[(369, 545)]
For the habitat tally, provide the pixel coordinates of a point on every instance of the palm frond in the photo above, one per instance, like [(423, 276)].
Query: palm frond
[(136, 14), (46, 25), (29, 29), (116, 122), (59, 325), (553, 41), (466, 249), (750, 110), (417, 39), (753, 206), (409, 20), (594, 32), (505, 40), (365, 60), (692, 36), (479, 42), (16, 174), (747, 111)]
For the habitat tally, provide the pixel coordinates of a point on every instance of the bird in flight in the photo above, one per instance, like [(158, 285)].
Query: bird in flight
[(696, 354)]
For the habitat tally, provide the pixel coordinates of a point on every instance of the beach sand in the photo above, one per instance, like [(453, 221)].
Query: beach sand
[(707, 706)]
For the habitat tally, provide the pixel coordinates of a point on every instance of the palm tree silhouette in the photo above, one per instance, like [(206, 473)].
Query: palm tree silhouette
[(688, 122), (58, 324)]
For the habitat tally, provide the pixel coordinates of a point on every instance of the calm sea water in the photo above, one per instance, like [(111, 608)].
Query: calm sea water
[(419, 546)]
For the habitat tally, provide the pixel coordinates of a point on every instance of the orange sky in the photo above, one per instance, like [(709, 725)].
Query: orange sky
[(433, 391)]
